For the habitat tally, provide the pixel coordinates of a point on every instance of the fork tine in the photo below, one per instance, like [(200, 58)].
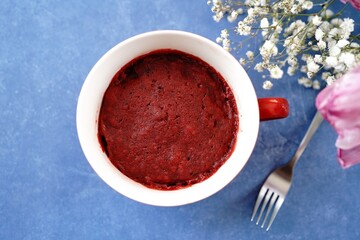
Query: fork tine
[(258, 201), (264, 204), (273, 199), (278, 204)]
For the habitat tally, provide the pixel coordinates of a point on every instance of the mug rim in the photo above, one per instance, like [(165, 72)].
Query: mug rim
[(112, 176)]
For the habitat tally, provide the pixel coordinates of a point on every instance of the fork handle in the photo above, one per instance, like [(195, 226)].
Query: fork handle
[(315, 123)]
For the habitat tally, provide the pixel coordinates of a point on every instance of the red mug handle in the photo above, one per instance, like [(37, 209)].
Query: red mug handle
[(273, 108)]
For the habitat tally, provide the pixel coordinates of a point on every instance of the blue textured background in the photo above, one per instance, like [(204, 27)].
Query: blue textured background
[(49, 191)]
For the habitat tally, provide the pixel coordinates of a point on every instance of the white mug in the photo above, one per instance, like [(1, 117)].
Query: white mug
[(99, 78)]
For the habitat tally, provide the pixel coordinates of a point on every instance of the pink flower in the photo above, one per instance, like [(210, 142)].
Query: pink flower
[(340, 105), (354, 3)]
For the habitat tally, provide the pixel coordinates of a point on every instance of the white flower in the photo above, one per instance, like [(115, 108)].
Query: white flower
[(347, 25), (342, 43), (338, 74), (354, 45), (249, 20), (319, 34), (268, 49), (274, 22), (243, 29), (327, 14), (325, 75), (331, 61), (348, 59), (276, 72), (224, 33), (306, 57), (300, 25), (313, 67), (219, 40), (316, 20), (318, 58), (242, 61), (305, 82), (290, 28), (226, 42), (250, 12), (315, 48), (331, 43), (267, 85), (321, 44), (287, 42), (250, 55), (302, 80), (264, 23), (316, 85), (330, 80), (295, 46), (218, 16), (295, 9), (240, 11), (334, 33), (310, 75), (259, 67), (334, 51), (216, 2), (307, 5), (336, 22), (303, 69), (340, 68), (232, 16), (291, 71), (249, 2), (278, 28), (292, 61), (310, 32), (325, 26)]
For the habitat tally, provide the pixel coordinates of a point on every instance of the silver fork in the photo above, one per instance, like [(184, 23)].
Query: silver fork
[(278, 183)]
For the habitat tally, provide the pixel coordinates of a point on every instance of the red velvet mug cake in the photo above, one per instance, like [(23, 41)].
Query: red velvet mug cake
[(168, 120)]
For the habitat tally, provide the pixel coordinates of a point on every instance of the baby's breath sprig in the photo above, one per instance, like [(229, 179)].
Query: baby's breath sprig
[(300, 35)]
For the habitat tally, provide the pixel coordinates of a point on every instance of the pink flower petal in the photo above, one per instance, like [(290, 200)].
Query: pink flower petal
[(348, 139), (354, 3), (350, 157)]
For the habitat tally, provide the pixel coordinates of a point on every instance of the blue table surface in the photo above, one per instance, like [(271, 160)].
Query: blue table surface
[(49, 191)]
